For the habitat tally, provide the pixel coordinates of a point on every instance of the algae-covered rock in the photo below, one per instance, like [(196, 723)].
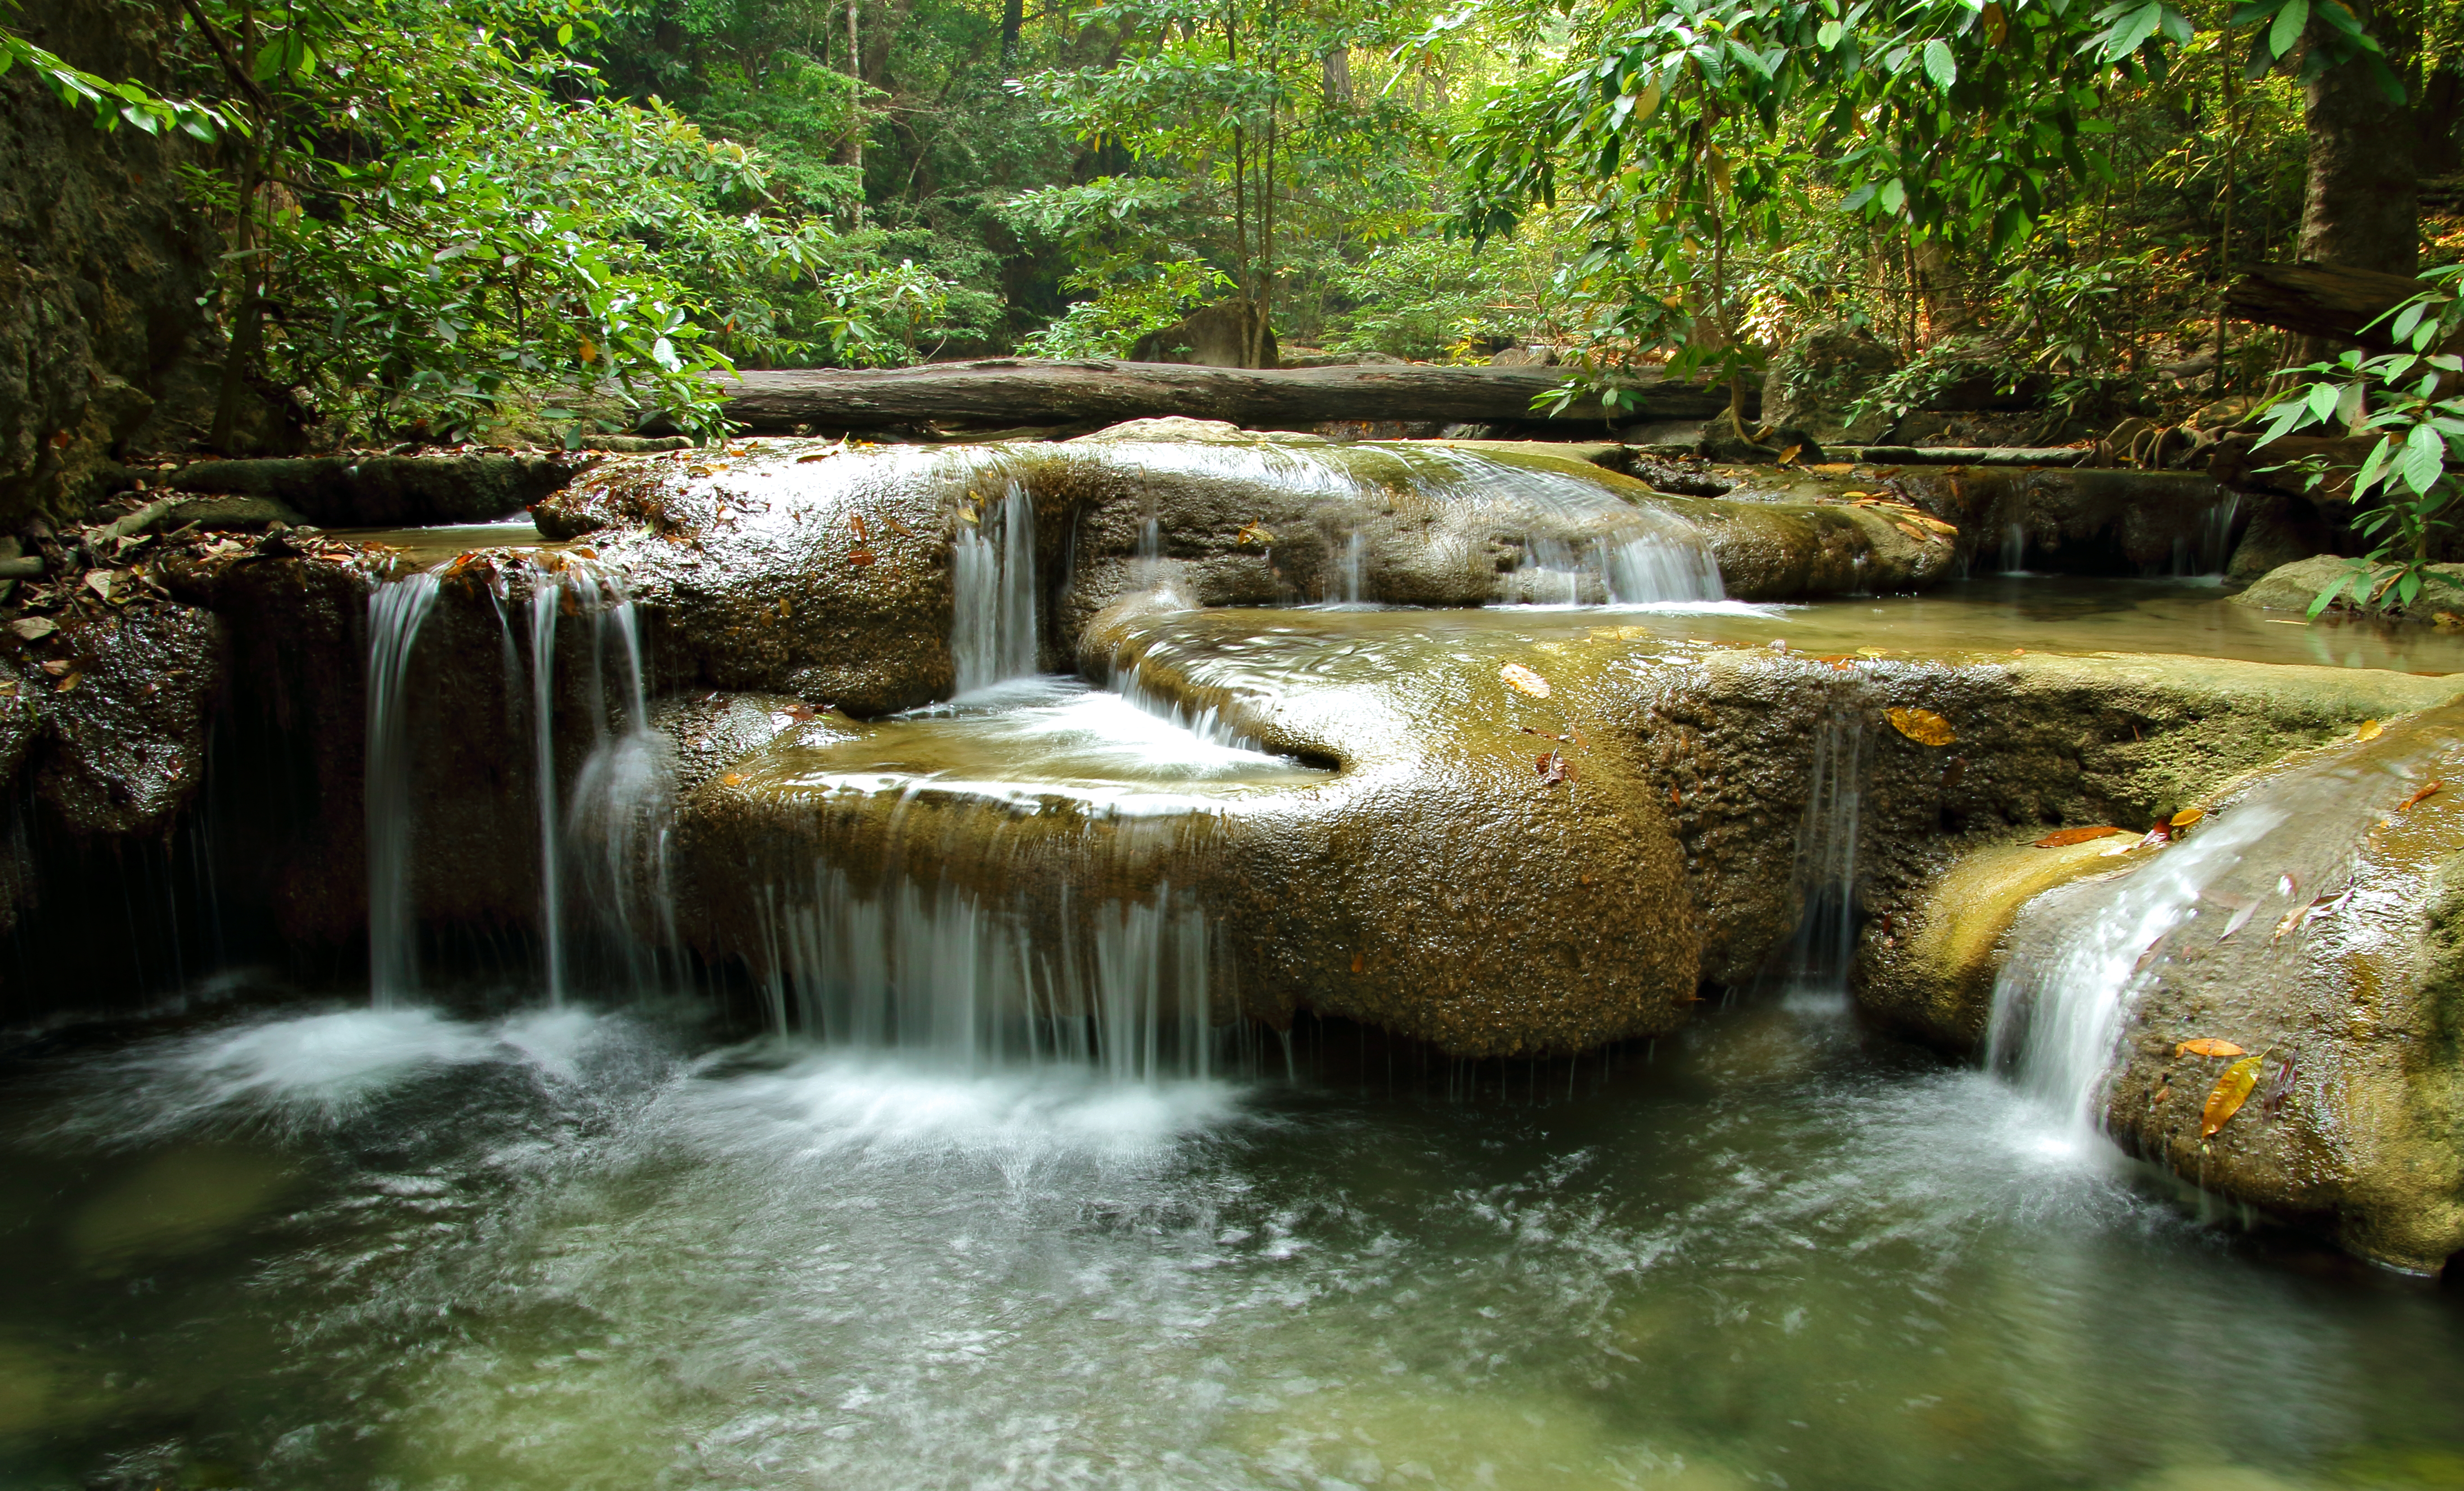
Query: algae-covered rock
[(2294, 587), (1407, 863), (1731, 736), (2324, 945)]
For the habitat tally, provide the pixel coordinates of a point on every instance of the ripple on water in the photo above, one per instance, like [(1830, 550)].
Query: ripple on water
[(549, 1252)]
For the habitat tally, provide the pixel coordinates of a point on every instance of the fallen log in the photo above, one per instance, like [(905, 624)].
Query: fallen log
[(1967, 455), (2319, 299), (1026, 392)]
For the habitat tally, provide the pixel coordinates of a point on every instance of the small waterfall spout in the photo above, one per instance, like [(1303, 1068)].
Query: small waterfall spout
[(2014, 549), (2060, 1005), (993, 634), (396, 612), (1824, 948)]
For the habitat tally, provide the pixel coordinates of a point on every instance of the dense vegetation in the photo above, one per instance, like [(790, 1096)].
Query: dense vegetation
[(446, 216)]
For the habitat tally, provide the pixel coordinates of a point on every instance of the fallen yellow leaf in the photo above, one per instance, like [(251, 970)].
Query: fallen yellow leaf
[(1923, 725), (2367, 729), (2419, 795), (1524, 680), (2209, 1046), (2187, 817), (2226, 1097)]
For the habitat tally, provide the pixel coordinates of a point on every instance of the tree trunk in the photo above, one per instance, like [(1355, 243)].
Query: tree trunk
[(2358, 207), (2330, 303), (1015, 393), (1013, 21)]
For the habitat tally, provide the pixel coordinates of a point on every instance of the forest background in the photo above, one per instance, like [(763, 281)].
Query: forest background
[(444, 216)]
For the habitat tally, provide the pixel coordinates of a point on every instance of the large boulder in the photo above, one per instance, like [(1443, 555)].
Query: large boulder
[(1815, 381), (2293, 587), (1214, 336), (1407, 865)]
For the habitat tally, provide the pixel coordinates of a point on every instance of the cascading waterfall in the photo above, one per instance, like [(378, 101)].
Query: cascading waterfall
[(622, 796), (1635, 566), (2060, 1003), (1352, 570), (396, 612), (939, 973), (1824, 947), (993, 632)]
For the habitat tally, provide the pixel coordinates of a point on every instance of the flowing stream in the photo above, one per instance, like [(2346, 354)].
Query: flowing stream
[(994, 1204)]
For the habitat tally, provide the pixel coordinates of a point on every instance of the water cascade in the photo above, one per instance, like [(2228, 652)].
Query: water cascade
[(939, 973), (2075, 969), (396, 612), (620, 795), (1824, 947), (993, 633)]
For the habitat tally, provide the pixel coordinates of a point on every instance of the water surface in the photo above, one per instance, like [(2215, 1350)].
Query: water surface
[(572, 1249)]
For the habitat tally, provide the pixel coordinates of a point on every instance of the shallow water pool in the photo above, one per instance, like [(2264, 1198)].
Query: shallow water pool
[(569, 1249)]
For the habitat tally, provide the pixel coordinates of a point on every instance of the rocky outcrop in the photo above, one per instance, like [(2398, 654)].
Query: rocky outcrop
[(2084, 522), (1815, 381), (1534, 911), (103, 348), (2293, 588)]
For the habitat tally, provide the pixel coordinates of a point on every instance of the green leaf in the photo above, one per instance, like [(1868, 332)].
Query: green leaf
[(2425, 456), (1828, 34), (1894, 196), (2286, 33), (1940, 65), (2136, 27)]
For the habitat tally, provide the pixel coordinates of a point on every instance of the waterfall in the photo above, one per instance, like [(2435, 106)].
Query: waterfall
[(941, 974), (622, 796), (396, 612), (1641, 566), (2014, 549), (1350, 571), (1824, 947), (993, 632), (2215, 533), (2060, 1003)]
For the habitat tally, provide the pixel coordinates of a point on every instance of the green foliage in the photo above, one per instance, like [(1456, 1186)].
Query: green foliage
[(1423, 295), (2405, 489), (1127, 301), (114, 103)]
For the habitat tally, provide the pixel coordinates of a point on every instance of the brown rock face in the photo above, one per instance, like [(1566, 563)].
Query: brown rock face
[(102, 344)]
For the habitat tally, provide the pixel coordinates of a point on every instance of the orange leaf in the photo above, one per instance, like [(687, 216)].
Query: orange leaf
[(859, 557), (2064, 838), (1524, 680), (1923, 725), (732, 779), (2419, 795), (2225, 1098), (2208, 1045)]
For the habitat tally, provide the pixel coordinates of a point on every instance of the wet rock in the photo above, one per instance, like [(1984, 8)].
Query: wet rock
[(2293, 587), (120, 703), (2082, 521), (1527, 916), (1728, 738), (802, 567), (1816, 380), (2274, 534), (2343, 973)]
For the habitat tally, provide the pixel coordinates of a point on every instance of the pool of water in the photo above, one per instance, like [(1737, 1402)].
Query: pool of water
[(579, 1249)]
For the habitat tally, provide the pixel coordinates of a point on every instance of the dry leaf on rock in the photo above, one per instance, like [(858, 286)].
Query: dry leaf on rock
[(2226, 1097), (2419, 795), (1524, 680), (34, 629), (1923, 725), (2209, 1046), (2367, 729), (2185, 818), (2064, 838)]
